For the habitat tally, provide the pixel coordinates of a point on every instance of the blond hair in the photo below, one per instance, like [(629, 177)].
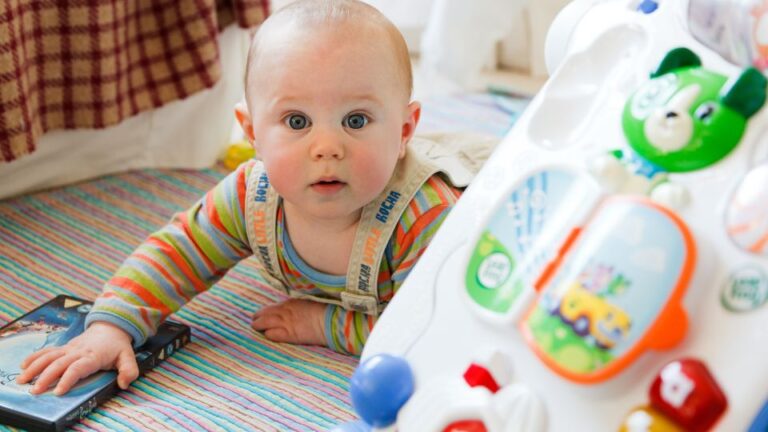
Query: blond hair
[(323, 12)]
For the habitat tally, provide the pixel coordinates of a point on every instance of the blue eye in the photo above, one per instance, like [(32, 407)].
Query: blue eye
[(355, 121), (297, 121)]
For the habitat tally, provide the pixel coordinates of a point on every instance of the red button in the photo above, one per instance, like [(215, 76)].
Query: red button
[(466, 426), (687, 393), (476, 375)]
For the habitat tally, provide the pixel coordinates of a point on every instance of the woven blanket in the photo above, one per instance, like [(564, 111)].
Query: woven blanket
[(70, 240), (88, 64)]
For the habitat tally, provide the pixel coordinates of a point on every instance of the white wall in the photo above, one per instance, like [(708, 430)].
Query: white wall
[(459, 38)]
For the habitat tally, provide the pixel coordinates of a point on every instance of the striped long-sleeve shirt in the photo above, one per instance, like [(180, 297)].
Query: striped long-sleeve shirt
[(200, 245)]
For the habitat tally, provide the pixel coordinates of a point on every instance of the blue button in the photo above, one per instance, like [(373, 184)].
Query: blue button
[(648, 6), (760, 424), (379, 387)]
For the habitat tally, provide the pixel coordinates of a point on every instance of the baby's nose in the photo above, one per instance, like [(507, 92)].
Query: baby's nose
[(327, 146)]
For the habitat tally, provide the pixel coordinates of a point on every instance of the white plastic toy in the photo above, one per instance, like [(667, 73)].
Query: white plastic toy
[(608, 267)]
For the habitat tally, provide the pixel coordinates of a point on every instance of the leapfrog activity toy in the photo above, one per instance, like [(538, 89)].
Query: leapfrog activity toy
[(615, 275)]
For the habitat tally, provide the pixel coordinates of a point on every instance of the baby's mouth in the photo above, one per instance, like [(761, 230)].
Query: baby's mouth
[(327, 186)]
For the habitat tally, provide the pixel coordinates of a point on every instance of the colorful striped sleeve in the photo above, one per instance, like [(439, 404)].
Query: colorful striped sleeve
[(346, 331), (179, 261)]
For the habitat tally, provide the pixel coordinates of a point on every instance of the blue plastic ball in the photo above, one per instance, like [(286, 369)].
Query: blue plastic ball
[(379, 387)]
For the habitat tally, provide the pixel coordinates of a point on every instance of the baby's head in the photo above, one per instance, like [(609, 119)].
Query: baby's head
[(328, 88), (349, 16)]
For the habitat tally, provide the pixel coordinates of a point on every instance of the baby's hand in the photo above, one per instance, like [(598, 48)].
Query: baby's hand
[(292, 321), (102, 346)]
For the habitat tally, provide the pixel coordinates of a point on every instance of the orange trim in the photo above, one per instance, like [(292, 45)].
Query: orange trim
[(760, 244), (549, 270), (670, 325)]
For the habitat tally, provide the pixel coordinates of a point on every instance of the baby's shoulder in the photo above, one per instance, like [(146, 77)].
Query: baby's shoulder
[(438, 191), (252, 173), (435, 197)]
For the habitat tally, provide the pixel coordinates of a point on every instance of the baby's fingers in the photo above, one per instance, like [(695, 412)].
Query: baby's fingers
[(76, 371), (35, 355), (127, 369), (278, 334), (266, 320), (272, 325), (38, 364), (52, 373)]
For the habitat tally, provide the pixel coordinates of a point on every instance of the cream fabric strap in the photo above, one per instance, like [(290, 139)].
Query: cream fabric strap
[(377, 222), (260, 225)]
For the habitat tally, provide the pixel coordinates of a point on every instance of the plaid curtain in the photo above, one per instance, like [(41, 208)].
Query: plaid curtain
[(92, 63)]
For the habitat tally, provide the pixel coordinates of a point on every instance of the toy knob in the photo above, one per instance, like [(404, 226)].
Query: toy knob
[(379, 387)]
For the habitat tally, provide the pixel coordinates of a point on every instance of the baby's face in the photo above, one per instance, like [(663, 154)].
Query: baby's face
[(330, 116)]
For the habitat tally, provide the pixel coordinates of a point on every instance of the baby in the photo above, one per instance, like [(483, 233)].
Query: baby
[(338, 208)]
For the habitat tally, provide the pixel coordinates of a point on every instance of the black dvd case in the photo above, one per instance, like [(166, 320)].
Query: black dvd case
[(53, 324)]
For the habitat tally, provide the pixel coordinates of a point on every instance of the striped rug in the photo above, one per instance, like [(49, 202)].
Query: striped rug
[(69, 241)]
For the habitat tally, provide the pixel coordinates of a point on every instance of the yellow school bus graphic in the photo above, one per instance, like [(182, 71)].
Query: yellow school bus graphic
[(591, 315)]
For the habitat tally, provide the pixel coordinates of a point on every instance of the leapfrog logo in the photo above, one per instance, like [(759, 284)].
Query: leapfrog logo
[(746, 289)]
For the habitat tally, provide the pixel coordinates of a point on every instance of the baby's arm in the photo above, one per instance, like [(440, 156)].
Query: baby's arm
[(179, 261), (101, 347), (173, 265), (309, 322), (292, 321)]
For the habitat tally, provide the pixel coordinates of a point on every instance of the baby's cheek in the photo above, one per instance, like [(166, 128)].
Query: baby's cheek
[(282, 172), (375, 175)]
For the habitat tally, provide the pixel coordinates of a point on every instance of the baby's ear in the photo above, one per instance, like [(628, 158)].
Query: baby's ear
[(412, 115), (244, 118)]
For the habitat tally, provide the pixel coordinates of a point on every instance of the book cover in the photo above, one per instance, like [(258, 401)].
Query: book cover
[(54, 324)]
